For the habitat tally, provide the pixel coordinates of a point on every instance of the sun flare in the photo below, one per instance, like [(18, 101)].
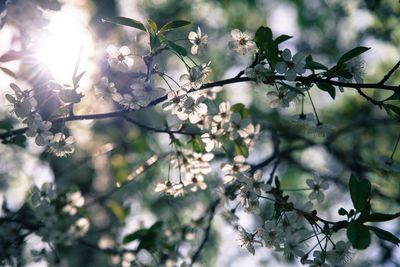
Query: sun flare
[(67, 38)]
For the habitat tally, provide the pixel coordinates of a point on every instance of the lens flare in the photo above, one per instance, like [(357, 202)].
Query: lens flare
[(66, 39)]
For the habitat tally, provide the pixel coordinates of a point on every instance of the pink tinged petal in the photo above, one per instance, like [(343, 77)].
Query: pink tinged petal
[(112, 51), (194, 50), (199, 31), (236, 34), (129, 61), (286, 55), (124, 50), (182, 116), (207, 157), (290, 75), (210, 146), (202, 109), (194, 118), (239, 159), (248, 35), (192, 36)]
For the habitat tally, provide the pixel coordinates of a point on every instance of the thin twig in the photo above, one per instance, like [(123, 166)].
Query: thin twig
[(387, 76), (212, 209)]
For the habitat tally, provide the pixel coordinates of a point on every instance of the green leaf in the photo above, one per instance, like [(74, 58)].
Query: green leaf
[(264, 41), (177, 48), (155, 41), (145, 236), (117, 209), (360, 192), (241, 148), (395, 96), (282, 38), (358, 235), (373, 4), (19, 140), (135, 235), (241, 109), (173, 25), (327, 88), (384, 235), (197, 145), (352, 54), (313, 65), (381, 217), (152, 25), (6, 125), (126, 22), (392, 110)]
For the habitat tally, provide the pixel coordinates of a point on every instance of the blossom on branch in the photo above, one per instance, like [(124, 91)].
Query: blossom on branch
[(242, 42), (199, 41)]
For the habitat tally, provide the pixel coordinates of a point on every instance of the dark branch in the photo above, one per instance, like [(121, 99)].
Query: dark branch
[(390, 73), (212, 209), (119, 113)]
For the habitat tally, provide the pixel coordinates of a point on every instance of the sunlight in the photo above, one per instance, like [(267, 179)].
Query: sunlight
[(59, 50)]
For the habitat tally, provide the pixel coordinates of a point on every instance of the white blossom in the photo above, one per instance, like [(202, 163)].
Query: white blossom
[(235, 170), (291, 66), (198, 40), (39, 129), (145, 92), (196, 78), (224, 114), (23, 103), (250, 133), (74, 200), (356, 67), (318, 261), (175, 101), (61, 145), (282, 97), (317, 185), (211, 140), (258, 73), (271, 234), (119, 59), (340, 254), (104, 88), (242, 42), (292, 245), (167, 187), (246, 240), (193, 109)]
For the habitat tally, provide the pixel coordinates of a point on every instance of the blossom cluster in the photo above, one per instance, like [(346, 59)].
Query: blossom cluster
[(25, 107)]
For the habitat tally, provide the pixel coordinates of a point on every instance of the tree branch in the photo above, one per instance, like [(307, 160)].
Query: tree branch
[(387, 76), (118, 113), (212, 209)]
